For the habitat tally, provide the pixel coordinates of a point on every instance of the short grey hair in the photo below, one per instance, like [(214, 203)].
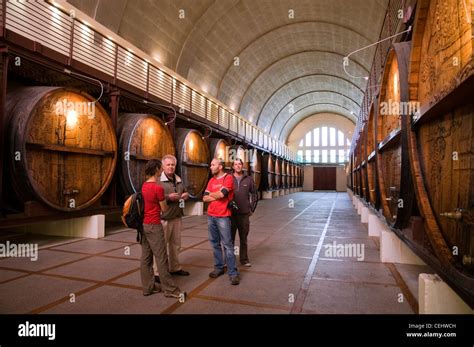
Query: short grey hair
[(169, 156)]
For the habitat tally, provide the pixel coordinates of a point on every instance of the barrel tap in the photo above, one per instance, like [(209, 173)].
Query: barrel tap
[(461, 215)]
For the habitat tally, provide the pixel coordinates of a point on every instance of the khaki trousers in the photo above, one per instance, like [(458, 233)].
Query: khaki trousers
[(172, 229), (153, 244)]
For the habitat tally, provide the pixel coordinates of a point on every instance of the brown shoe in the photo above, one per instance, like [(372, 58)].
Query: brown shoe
[(154, 291), (179, 273), (234, 280), (216, 273)]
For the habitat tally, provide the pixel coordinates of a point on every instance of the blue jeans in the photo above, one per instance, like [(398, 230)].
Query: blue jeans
[(219, 232)]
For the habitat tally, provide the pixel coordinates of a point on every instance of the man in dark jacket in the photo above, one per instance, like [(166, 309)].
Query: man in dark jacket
[(245, 197)]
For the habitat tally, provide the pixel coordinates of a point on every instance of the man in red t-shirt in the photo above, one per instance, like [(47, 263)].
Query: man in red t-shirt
[(218, 194)]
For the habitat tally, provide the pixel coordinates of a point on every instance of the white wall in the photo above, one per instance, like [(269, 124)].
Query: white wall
[(341, 181)]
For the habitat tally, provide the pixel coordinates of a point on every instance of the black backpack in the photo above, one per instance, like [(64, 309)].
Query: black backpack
[(133, 213)]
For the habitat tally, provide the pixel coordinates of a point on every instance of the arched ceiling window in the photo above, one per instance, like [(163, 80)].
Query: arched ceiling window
[(324, 145)]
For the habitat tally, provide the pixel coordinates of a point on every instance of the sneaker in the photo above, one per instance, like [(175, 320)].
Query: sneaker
[(216, 273), (179, 273), (157, 279), (177, 295), (234, 280), (247, 264)]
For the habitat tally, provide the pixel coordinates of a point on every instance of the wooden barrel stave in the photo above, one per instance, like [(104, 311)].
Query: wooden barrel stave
[(372, 157), (394, 177)]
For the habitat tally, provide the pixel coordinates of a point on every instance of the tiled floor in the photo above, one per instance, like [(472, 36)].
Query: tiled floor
[(291, 271)]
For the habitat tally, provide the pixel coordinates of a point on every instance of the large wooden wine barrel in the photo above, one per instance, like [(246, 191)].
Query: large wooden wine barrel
[(193, 160), (353, 178), (371, 134), (351, 169), (219, 148), (301, 176), (268, 174), (357, 162), (256, 168), (278, 181), (356, 171), (396, 190), (363, 164), (238, 151), (284, 174), (354, 166), (297, 176), (63, 147), (291, 177), (349, 172), (441, 135), (142, 137)]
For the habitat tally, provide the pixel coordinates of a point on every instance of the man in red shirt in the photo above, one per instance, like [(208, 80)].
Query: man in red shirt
[(218, 194), (153, 240)]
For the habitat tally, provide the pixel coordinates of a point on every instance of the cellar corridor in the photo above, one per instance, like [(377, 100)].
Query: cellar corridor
[(292, 269), (334, 137)]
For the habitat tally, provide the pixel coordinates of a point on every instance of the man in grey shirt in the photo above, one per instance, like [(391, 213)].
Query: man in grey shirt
[(175, 195), (245, 198)]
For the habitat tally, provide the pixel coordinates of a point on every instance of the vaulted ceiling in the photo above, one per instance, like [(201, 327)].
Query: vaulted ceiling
[(276, 62)]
